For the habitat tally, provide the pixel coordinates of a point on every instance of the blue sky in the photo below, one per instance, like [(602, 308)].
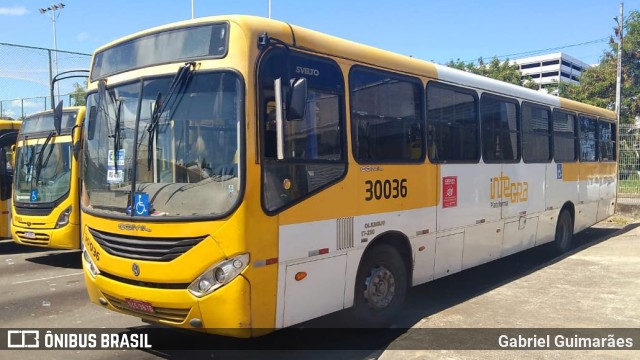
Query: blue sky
[(435, 30)]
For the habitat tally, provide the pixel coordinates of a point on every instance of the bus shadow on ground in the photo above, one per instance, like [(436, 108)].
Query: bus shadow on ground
[(10, 247), (326, 337), (68, 259)]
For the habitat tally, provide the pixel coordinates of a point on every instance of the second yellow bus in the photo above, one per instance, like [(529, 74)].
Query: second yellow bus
[(45, 209)]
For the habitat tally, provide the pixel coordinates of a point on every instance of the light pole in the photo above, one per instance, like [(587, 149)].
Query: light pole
[(619, 35), (51, 11)]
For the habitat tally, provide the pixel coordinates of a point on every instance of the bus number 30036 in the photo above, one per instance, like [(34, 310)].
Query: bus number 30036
[(385, 189)]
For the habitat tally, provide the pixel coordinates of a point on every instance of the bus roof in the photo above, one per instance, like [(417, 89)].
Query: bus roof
[(314, 41), (69, 108), (42, 122), (10, 124)]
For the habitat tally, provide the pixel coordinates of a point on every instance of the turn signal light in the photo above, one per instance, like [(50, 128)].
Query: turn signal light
[(300, 276)]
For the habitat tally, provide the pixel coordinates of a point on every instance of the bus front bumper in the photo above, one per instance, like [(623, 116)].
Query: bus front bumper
[(226, 311), (67, 237)]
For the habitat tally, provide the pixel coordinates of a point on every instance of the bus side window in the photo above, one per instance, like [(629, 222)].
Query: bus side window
[(313, 144)]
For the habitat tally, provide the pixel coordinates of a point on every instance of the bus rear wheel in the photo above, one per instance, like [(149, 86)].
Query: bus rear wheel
[(564, 232), (381, 287)]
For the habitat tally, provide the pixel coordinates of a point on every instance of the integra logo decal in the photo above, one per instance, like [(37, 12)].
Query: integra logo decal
[(133, 227), (503, 191)]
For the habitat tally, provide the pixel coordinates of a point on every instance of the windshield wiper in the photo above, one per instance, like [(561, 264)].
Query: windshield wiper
[(103, 93), (46, 161), (116, 137), (29, 161), (42, 150), (179, 81)]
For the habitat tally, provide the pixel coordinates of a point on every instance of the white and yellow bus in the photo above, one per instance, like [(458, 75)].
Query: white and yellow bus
[(243, 174), (8, 135)]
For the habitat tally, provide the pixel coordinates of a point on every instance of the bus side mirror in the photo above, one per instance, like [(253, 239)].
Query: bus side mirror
[(76, 143), (91, 122), (57, 117), (297, 100)]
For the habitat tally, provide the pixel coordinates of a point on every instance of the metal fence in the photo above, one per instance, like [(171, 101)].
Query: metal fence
[(25, 75), (629, 170)]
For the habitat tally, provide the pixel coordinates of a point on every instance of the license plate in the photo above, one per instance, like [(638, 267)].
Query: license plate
[(140, 305), (30, 235)]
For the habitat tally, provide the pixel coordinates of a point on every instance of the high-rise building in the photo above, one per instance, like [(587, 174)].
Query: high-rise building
[(551, 68)]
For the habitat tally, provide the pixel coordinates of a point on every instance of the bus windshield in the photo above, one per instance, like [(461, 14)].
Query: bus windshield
[(178, 148), (43, 173)]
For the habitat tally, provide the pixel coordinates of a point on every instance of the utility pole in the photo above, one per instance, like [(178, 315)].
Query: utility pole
[(619, 35)]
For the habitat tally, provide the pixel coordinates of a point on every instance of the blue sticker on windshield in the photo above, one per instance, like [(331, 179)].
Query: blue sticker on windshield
[(141, 204), (34, 195)]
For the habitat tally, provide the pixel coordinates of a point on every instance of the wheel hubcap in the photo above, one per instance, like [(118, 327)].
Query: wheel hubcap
[(380, 288)]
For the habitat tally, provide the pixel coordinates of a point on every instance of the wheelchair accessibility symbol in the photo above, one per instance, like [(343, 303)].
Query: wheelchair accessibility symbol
[(34, 195), (559, 171), (141, 204)]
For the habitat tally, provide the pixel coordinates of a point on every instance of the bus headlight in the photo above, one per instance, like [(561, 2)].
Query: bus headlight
[(219, 275), (93, 269), (63, 219)]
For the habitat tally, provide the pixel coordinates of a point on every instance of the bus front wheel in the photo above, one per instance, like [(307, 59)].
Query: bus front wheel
[(564, 232), (381, 287)]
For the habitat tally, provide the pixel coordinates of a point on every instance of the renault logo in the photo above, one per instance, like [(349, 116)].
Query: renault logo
[(135, 269)]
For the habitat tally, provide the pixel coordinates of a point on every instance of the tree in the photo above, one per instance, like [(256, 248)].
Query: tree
[(79, 94), (503, 71), (598, 84)]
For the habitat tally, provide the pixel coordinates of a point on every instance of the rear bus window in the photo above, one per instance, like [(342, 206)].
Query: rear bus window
[(607, 140)]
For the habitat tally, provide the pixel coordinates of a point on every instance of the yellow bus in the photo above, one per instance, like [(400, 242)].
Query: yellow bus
[(8, 135), (45, 209), (243, 175)]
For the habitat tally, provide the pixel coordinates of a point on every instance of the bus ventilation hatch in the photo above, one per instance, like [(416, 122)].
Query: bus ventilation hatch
[(345, 233)]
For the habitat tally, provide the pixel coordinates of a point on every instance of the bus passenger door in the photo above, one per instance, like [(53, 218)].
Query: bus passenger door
[(7, 140)]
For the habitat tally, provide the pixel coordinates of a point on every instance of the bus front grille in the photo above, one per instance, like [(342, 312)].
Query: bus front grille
[(142, 248), (33, 238), (160, 314)]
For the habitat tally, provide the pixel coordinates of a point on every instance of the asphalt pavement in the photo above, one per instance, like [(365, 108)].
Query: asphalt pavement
[(595, 285)]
